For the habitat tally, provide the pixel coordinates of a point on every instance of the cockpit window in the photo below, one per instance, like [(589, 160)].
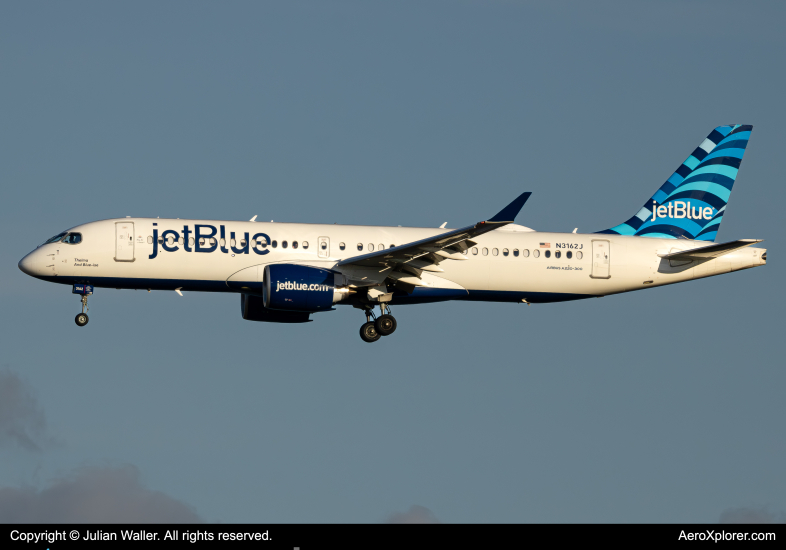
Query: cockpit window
[(73, 238), (55, 238)]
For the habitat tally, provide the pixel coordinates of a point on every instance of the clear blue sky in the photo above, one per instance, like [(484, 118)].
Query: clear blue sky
[(662, 405)]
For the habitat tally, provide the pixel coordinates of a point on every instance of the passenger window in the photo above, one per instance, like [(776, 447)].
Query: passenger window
[(569, 254), (274, 244), (465, 251), (149, 239), (370, 247), (360, 246), (180, 240), (305, 245), (485, 251), (548, 253), (323, 245), (342, 246), (232, 242), (525, 253), (474, 250), (382, 247), (557, 254), (392, 246), (262, 243), (579, 255), (495, 252), (294, 244), (505, 252), (536, 253), (191, 241), (284, 244), (223, 243), (516, 252)]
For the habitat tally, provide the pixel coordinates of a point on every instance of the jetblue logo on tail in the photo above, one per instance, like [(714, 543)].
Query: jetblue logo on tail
[(691, 203), (680, 209)]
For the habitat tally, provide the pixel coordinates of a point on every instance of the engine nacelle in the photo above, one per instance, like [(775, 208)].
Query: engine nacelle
[(252, 309), (291, 287)]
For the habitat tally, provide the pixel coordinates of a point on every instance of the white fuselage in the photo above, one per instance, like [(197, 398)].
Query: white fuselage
[(508, 264)]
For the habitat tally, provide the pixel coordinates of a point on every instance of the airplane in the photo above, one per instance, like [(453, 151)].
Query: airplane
[(286, 272)]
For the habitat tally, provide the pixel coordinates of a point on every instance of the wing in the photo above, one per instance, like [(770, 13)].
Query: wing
[(406, 263)]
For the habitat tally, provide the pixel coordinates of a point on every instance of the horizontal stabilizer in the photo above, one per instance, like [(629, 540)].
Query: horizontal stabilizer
[(712, 251)]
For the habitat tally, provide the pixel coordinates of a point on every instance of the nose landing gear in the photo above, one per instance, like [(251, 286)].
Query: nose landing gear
[(384, 325), (81, 319)]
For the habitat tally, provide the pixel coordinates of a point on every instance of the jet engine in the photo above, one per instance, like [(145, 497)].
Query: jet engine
[(252, 309), (291, 287)]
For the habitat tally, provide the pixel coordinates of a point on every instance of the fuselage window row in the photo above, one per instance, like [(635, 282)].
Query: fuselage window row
[(260, 244), (75, 238), (524, 253)]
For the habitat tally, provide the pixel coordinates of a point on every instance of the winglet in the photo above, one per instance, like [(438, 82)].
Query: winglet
[(509, 213)]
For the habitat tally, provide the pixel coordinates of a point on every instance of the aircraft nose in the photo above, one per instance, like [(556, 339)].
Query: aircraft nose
[(28, 264)]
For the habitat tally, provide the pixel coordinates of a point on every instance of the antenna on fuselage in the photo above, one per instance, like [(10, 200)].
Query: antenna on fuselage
[(253, 219)]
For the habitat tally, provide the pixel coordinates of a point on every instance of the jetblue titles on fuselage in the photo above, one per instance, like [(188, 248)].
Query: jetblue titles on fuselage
[(207, 234)]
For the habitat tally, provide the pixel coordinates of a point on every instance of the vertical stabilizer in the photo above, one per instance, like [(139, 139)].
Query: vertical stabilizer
[(690, 205)]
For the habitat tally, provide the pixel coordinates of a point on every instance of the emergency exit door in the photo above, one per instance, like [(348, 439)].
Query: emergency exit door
[(124, 241), (324, 247), (601, 260)]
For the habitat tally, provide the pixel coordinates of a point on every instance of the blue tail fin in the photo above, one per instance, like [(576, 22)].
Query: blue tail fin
[(690, 205)]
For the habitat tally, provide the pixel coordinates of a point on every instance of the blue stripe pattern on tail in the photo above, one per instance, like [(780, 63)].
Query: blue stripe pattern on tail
[(690, 205)]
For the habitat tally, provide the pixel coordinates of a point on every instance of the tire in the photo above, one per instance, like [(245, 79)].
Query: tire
[(81, 319), (368, 332), (385, 325)]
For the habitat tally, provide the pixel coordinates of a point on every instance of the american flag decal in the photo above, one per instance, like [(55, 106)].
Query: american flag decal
[(545, 245)]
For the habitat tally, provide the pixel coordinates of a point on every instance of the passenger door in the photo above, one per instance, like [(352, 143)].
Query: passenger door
[(601, 260), (124, 241)]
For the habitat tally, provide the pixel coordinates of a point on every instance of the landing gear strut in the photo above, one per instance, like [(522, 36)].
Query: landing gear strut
[(373, 330), (81, 319)]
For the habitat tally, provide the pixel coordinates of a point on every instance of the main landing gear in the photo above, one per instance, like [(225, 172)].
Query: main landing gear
[(384, 325), (81, 319)]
